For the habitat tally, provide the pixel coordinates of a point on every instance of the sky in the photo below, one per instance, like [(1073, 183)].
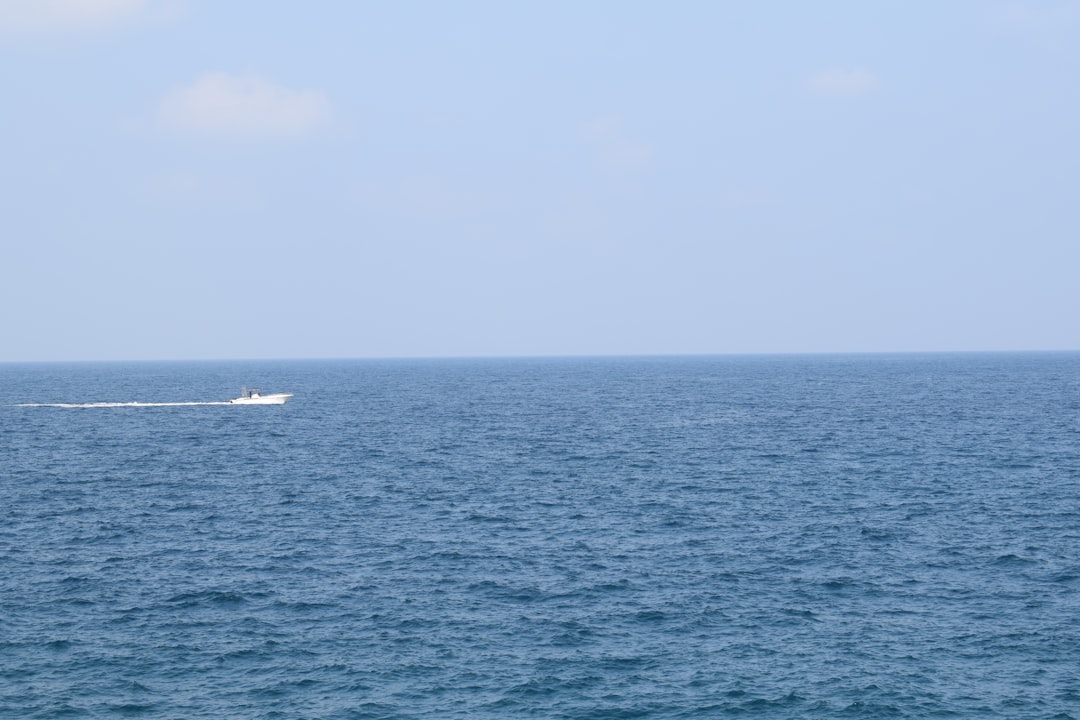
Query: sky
[(227, 179)]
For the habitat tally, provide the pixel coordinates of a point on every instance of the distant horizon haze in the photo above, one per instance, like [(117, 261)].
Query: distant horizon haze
[(625, 356)]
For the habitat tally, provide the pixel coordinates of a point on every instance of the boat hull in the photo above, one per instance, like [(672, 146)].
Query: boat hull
[(275, 399)]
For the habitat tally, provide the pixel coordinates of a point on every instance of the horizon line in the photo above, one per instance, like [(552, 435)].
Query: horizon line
[(553, 356)]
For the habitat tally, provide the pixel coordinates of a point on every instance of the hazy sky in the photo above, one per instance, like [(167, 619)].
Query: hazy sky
[(252, 179)]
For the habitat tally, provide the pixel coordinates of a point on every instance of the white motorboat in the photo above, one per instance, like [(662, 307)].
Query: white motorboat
[(254, 397)]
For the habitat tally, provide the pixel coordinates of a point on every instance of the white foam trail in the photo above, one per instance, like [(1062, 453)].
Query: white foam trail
[(121, 404)]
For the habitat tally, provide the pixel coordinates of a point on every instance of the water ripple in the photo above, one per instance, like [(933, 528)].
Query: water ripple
[(849, 537)]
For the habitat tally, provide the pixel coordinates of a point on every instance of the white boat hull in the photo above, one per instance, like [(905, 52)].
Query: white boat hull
[(256, 399)]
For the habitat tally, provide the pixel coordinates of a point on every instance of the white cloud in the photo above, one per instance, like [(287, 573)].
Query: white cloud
[(1029, 16), (842, 81), (67, 14), (243, 106), (1051, 23)]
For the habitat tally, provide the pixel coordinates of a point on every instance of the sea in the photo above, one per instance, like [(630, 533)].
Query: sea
[(818, 536)]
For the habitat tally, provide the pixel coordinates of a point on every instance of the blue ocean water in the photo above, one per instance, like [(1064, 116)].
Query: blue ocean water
[(829, 536)]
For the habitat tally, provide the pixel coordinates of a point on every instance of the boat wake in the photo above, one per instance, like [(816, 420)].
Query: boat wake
[(121, 404), (247, 397)]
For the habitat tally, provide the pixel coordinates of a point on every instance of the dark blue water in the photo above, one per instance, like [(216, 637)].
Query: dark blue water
[(835, 536)]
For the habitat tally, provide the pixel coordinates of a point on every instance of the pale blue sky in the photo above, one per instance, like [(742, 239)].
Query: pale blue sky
[(234, 179)]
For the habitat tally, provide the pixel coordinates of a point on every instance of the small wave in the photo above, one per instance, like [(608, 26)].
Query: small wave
[(651, 617), (840, 583), (209, 597), (133, 708), (880, 534)]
